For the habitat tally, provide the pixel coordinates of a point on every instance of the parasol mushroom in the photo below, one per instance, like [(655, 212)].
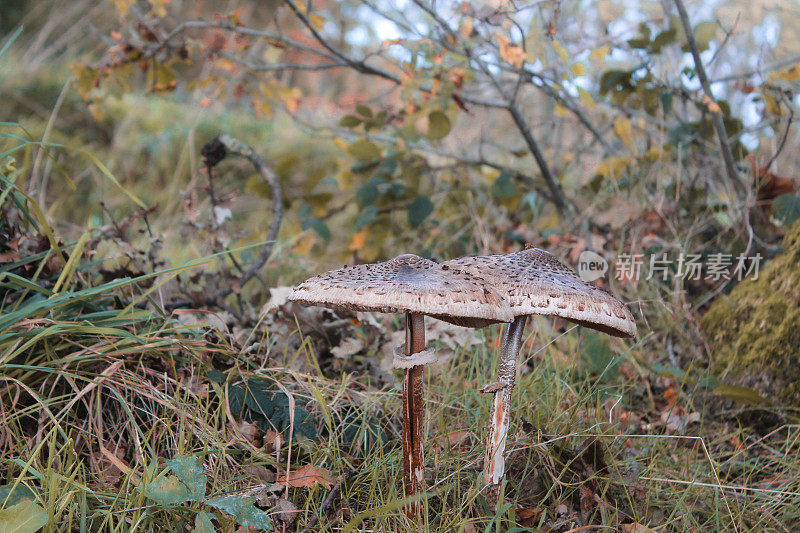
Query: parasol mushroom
[(535, 283), (415, 286)]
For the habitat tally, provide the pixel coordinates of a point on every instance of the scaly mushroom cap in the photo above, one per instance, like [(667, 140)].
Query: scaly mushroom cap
[(407, 283), (536, 283)]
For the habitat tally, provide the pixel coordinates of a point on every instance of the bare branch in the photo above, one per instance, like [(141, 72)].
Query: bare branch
[(719, 126), (557, 195)]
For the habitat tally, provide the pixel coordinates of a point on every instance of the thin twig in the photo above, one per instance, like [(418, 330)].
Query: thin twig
[(747, 73)]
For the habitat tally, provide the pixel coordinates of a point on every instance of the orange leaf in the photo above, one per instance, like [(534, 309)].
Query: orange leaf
[(359, 240), (307, 476)]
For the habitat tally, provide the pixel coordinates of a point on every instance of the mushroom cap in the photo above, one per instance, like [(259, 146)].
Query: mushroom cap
[(536, 283), (407, 283)]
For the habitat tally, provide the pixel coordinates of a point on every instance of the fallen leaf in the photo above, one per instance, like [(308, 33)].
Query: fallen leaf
[(348, 347), (277, 297), (247, 430), (528, 516), (274, 439), (307, 476), (455, 439), (286, 511)]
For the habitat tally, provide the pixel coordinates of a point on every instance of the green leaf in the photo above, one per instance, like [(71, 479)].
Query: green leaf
[(167, 490), (612, 79), (242, 508), (364, 150), (202, 523), (364, 111), (666, 101), (367, 194), (438, 125), (259, 401), (638, 43), (24, 517), (217, 376), (419, 210), (188, 483), (704, 33), (367, 217), (20, 493), (662, 39), (319, 227), (349, 121), (190, 471), (738, 394), (599, 358), (786, 209), (504, 186)]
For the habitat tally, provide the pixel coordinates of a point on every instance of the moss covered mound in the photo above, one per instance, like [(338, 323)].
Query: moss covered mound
[(755, 331)]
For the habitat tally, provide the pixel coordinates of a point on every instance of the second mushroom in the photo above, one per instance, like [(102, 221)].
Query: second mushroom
[(535, 283)]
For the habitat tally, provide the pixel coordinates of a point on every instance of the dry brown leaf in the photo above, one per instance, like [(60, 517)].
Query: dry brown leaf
[(455, 439), (274, 439), (307, 476), (247, 430), (263, 474), (286, 511)]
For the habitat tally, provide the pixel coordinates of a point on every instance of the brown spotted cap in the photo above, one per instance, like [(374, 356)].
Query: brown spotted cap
[(407, 283), (536, 283)]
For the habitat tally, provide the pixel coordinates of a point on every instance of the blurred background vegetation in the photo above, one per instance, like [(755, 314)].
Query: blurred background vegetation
[(437, 128)]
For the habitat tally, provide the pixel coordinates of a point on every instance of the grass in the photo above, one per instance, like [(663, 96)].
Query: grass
[(92, 411)]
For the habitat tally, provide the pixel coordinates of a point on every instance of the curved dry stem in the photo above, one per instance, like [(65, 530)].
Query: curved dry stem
[(493, 460)]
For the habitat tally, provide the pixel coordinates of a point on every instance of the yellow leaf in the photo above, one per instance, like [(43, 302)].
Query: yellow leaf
[(561, 51), (159, 8), (578, 69), (340, 143), (599, 53), (510, 53), (318, 21), (624, 130), (304, 244), (772, 104), (489, 173), (560, 111), (586, 97), (122, 6), (465, 28), (791, 74)]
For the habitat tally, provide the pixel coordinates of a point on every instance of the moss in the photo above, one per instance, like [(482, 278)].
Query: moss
[(755, 330)]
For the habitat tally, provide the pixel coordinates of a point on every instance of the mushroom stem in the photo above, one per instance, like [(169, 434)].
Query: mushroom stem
[(493, 461), (413, 413)]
